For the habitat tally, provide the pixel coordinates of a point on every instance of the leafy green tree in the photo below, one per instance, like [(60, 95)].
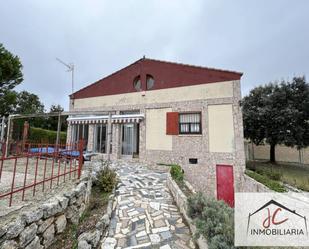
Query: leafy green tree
[(10, 76), (8, 102), (28, 103), (278, 114), (52, 122), (10, 70)]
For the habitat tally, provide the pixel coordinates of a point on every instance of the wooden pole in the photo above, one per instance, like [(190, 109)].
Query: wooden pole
[(8, 136), (58, 129)]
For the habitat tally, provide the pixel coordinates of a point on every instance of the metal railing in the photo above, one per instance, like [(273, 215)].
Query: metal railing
[(29, 166)]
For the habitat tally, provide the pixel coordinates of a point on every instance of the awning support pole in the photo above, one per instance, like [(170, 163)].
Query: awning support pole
[(109, 134)]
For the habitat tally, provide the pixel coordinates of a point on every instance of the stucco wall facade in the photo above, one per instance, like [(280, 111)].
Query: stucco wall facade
[(209, 99), (156, 138), (221, 130)]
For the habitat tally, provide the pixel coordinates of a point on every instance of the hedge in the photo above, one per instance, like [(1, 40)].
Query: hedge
[(39, 135), (214, 220)]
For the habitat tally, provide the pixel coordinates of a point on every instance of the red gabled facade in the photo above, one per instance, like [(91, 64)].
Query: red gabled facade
[(165, 74)]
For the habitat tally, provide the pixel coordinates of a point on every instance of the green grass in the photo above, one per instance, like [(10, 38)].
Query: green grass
[(268, 182), (292, 174)]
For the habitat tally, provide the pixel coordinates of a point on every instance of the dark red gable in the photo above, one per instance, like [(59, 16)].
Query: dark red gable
[(165, 74)]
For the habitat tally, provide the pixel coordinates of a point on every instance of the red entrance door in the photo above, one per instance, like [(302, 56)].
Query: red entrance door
[(225, 184)]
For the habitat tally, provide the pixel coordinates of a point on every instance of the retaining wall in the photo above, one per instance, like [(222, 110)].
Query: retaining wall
[(38, 227), (251, 185), (181, 201)]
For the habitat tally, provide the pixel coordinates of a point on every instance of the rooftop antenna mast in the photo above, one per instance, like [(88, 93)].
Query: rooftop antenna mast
[(70, 68)]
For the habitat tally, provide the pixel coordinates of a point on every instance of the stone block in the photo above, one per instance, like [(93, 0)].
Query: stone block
[(63, 201), (92, 238), (43, 225), (48, 236), (33, 215), (80, 189), (51, 208), (34, 244), (9, 244), (82, 244), (28, 234), (15, 228), (60, 224)]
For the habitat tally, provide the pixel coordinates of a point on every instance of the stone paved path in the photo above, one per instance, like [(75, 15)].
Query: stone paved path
[(144, 215)]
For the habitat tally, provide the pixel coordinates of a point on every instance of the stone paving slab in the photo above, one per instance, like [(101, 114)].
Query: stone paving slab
[(144, 214)]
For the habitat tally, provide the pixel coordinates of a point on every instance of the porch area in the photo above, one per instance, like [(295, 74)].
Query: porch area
[(112, 136)]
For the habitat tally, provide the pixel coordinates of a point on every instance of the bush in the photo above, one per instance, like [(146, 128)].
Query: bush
[(39, 135), (107, 179), (213, 219), (177, 173), (272, 184), (274, 176)]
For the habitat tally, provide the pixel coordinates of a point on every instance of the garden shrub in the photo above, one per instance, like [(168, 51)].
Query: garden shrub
[(177, 173), (272, 184), (39, 135), (213, 219), (275, 176), (107, 179)]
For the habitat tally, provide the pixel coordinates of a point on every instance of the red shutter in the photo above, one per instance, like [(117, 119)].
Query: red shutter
[(172, 123)]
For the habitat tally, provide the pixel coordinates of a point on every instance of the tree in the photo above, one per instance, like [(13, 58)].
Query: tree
[(278, 114), (28, 103), (52, 122), (10, 70), (10, 76), (8, 102)]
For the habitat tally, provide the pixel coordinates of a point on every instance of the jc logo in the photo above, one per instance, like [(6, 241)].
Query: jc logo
[(271, 219)]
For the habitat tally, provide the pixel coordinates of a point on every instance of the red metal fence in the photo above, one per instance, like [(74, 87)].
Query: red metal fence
[(30, 166)]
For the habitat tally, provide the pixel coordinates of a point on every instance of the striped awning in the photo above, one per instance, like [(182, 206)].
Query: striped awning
[(126, 118)]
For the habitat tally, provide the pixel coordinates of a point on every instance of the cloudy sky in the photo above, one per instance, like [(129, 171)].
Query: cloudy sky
[(267, 40)]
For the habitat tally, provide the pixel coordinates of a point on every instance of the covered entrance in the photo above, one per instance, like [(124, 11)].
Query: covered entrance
[(130, 140)]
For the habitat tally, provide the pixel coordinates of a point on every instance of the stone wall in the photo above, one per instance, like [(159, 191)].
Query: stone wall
[(37, 228), (181, 202)]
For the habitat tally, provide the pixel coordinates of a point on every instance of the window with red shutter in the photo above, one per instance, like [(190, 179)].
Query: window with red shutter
[(172, 127)]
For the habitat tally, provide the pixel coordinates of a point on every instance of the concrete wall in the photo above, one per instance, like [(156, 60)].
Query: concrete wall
[(283, 153)]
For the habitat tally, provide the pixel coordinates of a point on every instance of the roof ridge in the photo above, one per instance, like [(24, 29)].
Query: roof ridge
[(144, 58), (105, 77), (191, 65)]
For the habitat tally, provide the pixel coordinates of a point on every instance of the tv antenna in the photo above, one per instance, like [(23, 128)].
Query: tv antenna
[(70, 68)]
